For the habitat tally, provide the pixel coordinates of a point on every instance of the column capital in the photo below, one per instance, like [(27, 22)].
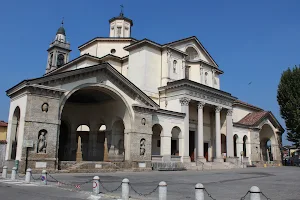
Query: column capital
[(218, 109), (229, 112), (184, 101), (201, 105)]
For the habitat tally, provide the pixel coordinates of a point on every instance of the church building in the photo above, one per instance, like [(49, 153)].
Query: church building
[(138, 104)]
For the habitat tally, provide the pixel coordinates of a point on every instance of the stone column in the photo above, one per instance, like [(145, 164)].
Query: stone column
[(165, 147), (185, 109), (200, 146), (229, 134), (218, 135)]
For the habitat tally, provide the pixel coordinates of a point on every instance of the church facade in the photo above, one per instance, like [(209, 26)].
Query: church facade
[(133, 103)]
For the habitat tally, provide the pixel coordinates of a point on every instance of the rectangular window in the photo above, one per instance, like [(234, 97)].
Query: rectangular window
[(119, 31), (158, 143)]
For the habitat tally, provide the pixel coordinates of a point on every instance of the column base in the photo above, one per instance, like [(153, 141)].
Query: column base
[(186, 159), (201, 160), (219, 160)]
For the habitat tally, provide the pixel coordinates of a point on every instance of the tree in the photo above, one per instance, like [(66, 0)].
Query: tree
[(288, 97)]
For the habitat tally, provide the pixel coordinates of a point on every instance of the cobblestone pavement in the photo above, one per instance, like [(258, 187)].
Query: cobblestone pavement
[(277, 183)]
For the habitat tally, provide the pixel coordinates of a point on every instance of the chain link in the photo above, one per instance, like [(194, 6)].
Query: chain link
[(147, 194), (35, 178), (107, 190), (20, 176), (244, 197), (265, 196), (64, 183), (209, 195)]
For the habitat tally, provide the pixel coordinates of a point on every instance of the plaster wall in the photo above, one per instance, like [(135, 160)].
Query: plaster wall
[(239, 113)]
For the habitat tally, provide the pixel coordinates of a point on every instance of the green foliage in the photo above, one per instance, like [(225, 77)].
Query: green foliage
[(288, 97)]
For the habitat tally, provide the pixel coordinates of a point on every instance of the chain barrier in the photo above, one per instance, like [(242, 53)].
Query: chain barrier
[(244, 197), (35, 179), (77, 186), (147, 194), (111, 191), (21, 176), (265, 196), (209, 195)]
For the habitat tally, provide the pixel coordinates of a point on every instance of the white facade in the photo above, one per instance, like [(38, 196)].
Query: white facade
[(193, 118)]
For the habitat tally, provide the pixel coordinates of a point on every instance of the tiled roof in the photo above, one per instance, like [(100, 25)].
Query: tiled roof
[(246, 104), (252, 118), (3, 124)]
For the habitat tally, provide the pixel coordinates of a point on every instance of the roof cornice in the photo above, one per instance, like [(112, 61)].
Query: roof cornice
[(198, 86), (106, 39)]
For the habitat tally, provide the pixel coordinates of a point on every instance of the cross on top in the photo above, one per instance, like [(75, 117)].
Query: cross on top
[(122, 7)]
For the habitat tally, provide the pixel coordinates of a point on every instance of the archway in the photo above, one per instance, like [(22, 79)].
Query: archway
[(245, 142), (267, 141), (156, 141), (14, 132), (175, 143), (235, 141), (116, 149), (97, 108)]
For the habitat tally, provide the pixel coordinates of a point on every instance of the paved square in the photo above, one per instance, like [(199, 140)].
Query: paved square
[(278, 183)]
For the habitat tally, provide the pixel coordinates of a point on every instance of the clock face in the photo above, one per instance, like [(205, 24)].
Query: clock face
[(60, 60)]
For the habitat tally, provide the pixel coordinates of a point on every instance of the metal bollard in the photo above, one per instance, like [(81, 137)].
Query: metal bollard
[(254, 193), (44, 177), (199, 191), (162, 191), (4, 172), (125, 189), (28, 176), (96, 185), (13, 173)]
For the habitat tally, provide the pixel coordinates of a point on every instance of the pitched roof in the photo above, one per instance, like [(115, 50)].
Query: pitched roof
[(253, 118), (3, 124), (242, 103), (198, 41)]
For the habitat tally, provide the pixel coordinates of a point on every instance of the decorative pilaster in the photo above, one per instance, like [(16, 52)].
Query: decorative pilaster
[(185, 109), (218, 135), (213, 77), (229, 134), (200, 146)]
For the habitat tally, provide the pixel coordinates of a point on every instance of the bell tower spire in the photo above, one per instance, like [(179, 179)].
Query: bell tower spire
[(120, 26), (59, 50)]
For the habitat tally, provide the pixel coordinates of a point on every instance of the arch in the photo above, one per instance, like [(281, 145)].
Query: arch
[(83, 128), (111, 91), (193, 54), (102, 127), (267, 143), (235, 141), (175, 143), (156, 140), (15, 132), (245, 142)]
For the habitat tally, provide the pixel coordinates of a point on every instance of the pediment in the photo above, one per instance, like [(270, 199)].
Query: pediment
[(102, 74), (193, 42)]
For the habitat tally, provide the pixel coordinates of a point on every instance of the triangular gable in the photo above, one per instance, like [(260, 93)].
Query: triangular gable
[(198, 44), (105, 68), (75, 64)]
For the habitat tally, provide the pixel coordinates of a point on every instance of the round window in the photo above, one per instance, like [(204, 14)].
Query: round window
[(113, 51)]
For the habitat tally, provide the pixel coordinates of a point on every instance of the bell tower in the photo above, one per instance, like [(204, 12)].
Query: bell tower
[(120, 26), (59, 50)]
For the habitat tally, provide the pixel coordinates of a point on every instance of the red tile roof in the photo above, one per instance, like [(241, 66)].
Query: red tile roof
[(3, 124), (252, 118), (247, 104)]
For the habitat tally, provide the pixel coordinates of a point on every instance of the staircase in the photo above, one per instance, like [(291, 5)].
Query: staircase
[(210, 166)]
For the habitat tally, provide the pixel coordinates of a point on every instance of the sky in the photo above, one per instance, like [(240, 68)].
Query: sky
[(252, 41)]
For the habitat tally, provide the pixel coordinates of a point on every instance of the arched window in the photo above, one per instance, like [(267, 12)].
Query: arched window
[(83, 128), (192, 53), (174, 66), (60, 60)]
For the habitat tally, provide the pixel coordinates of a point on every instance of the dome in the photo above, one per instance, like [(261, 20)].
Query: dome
[(61, 30)]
